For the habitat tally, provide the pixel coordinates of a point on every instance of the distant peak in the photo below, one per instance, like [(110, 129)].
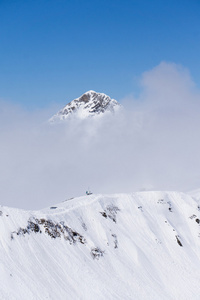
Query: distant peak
[(91, 91), (89, 104)]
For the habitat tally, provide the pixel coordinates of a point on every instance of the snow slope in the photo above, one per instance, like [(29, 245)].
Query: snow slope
[(195, 194), (90, 104), (125, 246)]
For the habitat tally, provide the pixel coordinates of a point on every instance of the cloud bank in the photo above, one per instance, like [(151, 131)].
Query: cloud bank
[(153, 144)]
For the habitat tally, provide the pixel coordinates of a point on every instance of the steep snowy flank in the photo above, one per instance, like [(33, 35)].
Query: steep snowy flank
[(89, 104), (126, 246)]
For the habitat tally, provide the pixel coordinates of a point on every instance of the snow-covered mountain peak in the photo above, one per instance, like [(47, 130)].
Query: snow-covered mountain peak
[(89, 104)]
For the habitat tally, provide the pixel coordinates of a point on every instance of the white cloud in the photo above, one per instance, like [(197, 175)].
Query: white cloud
[(153, 144)]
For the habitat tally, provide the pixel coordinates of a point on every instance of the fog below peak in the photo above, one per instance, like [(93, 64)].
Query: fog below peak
[(152, 144)]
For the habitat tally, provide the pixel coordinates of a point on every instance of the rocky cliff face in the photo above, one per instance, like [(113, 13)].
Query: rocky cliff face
[(90, 104)]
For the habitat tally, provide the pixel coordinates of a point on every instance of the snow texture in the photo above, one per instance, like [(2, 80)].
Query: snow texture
[(125, 246)]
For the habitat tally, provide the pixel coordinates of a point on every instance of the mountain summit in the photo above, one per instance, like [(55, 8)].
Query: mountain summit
[(89, 104)]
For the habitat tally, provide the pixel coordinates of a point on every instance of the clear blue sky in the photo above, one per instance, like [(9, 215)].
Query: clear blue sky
[(53, 51)]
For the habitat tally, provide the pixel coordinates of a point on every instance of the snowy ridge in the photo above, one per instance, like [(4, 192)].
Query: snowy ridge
[(124, 246), (89, 104)]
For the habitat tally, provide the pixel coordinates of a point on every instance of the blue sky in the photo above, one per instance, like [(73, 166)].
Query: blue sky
[(53, 51)]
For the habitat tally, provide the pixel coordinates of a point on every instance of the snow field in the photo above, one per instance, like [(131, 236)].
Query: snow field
[(124, 246)]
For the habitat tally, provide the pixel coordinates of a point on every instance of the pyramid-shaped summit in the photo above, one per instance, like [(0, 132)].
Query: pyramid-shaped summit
[(89, 104)]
